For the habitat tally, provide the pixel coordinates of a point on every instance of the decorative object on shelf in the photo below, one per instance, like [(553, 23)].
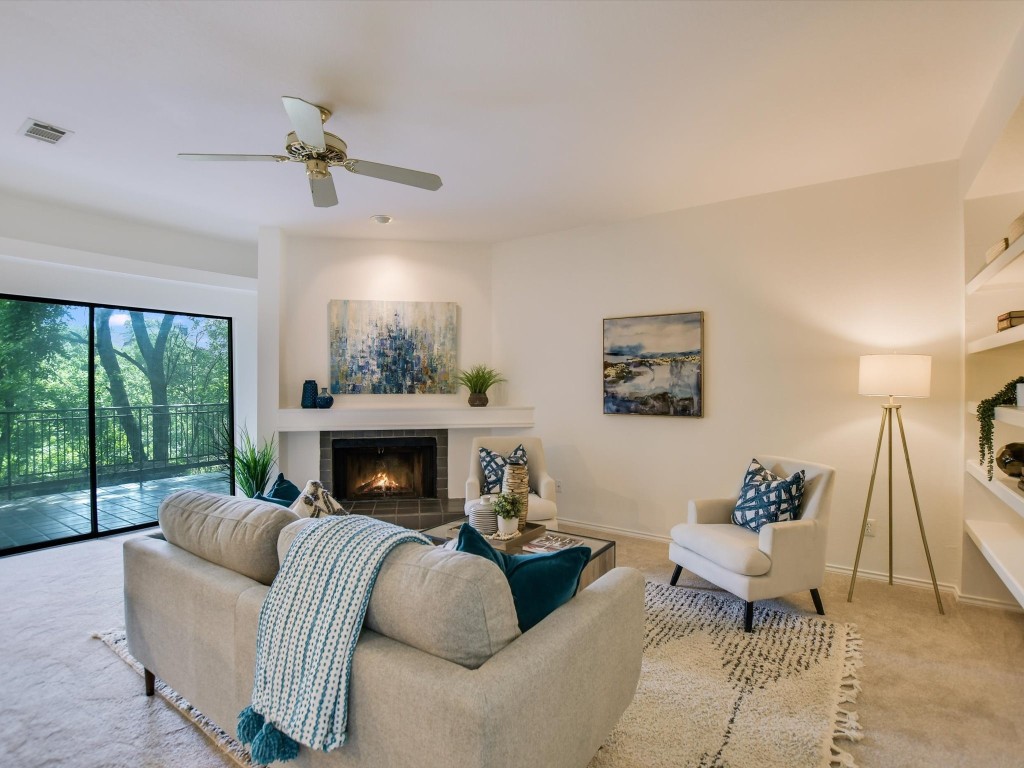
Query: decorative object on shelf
[(517, 482), (324, 399), (478, 380), (894, 376), (986, 421), (1009, 320), (508, 507), (1010, 459), (996, 249), (393, 347), (1020, 395), (253, 464), (309, 393), (654, 364)]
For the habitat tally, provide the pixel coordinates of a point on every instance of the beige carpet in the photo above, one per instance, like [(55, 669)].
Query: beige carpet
[(938, 690)]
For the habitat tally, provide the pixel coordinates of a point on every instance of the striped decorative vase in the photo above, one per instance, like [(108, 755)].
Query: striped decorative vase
[(517, 481)]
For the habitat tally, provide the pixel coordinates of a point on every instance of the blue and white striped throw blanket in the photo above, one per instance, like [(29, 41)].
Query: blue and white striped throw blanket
[(309, 624)]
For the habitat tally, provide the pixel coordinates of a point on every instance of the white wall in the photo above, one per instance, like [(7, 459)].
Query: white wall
[(303, 274), (65, 226), (794, 286)]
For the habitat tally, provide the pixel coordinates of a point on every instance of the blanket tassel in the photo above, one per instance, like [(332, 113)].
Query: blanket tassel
[(271, 744), (249, 724)]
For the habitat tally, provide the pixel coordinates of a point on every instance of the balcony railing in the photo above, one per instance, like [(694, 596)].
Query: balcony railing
[(48, 450)]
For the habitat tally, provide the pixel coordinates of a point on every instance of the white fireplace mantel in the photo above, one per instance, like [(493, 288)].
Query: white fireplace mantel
[(347, 417)]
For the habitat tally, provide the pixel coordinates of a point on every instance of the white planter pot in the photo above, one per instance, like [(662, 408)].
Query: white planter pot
[(507, 525)]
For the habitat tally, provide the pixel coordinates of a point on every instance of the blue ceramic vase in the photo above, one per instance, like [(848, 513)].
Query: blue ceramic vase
[(309, 393), (325, 400)]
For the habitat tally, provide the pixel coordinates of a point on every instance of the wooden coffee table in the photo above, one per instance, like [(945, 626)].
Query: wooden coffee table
[(602, 551)]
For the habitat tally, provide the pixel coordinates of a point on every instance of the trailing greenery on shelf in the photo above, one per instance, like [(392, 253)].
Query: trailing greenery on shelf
[(479, 379), (254, 463), (508, 505), (986, 419)]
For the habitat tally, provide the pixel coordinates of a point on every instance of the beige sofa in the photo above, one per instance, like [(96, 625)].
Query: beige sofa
[(441, 675)]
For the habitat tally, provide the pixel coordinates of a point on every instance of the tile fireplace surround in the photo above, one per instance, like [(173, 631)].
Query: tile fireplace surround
[(409, 513)]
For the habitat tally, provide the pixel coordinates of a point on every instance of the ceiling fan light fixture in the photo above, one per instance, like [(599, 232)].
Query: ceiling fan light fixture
[(381, 218)]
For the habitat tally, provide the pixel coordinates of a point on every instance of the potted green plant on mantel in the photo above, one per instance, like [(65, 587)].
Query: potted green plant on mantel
[(508, 507), (986, 418), (478, 380)]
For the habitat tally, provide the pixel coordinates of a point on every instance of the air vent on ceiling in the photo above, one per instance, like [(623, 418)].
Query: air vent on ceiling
[(35, 129)]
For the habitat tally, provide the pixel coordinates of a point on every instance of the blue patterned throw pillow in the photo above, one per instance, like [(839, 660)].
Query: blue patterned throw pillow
[(767, 498), (493, 466)]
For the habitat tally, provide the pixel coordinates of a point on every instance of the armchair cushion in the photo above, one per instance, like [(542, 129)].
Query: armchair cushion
[(493, 465), (732, 547), (767, 498)]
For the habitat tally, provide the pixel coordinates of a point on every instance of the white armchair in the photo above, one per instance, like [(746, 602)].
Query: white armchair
[(780, 559), (542, 507)]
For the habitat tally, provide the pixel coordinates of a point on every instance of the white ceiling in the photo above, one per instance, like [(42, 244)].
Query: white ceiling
[(539, 116)]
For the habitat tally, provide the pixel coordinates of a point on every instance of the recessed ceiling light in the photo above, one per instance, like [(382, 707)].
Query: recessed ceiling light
[(381, 218)]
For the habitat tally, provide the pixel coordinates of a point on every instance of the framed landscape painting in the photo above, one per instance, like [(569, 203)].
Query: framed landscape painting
[(393, 347), (654, 364)]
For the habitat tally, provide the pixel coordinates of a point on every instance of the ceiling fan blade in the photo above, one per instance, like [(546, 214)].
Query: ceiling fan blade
[(265, 158), (306, 120), (324, 194), (393, 173)]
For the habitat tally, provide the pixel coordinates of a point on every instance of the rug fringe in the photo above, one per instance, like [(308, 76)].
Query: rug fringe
[(845, 724)]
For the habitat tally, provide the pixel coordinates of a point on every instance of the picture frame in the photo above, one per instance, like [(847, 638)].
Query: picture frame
[(654, 364)]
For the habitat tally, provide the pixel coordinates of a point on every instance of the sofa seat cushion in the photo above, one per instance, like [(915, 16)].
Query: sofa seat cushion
[(450, 604), (731, 546), (240, 534)]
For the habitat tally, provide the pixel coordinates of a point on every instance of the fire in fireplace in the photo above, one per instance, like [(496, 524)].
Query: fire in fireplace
[(384, 467)]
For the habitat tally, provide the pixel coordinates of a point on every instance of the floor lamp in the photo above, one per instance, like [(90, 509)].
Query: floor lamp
[(894, 376)]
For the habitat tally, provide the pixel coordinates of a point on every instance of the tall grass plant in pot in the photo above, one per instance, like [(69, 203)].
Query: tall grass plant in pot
[(254, 464)]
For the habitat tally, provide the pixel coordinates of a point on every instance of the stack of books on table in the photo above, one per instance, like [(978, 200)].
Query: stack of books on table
[(1009, 320)]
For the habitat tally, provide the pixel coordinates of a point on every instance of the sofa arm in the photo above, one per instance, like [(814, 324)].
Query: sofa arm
[(796, 552), (472, 488), (705, 511)]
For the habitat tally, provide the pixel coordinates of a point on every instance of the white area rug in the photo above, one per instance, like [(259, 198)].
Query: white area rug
[(710, 695), (714, 696)]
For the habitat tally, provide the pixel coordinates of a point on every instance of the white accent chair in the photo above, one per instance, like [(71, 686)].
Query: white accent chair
[(780, 559), (542, 506)]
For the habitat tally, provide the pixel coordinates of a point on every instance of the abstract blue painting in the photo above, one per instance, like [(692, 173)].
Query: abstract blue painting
[(654, 364), (393, 347)]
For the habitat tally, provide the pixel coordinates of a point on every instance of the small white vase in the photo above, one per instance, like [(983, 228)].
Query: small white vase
[(507, 525)]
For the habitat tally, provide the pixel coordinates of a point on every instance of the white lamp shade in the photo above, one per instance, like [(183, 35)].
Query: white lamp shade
[(896, 375)]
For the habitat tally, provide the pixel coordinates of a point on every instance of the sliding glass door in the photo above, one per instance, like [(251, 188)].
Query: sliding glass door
[(104, 411)]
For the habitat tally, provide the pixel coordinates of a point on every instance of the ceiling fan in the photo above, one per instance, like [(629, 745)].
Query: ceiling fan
[(318, 150)]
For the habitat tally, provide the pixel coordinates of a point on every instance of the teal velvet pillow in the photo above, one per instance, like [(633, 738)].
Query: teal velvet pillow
[(284, 490), (539, 583), (272, 500)]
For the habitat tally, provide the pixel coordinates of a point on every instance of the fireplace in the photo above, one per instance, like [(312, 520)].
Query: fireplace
[(373, 468), (429, 506)]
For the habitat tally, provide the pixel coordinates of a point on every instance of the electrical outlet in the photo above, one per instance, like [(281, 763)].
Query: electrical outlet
[(558, 485), (870, 530)]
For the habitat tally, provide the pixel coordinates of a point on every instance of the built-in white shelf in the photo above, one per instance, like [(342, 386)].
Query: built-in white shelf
[(1005, 271), (1001, 339), (345, 417), (1007, 414), (1002, 544), (1003, 487)]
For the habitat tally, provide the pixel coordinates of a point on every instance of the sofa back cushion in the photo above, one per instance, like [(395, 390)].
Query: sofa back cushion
[(450, 604), (240, 534)]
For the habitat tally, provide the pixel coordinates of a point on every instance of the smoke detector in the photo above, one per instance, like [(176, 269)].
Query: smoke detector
[(381, 218), (36, 129)]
